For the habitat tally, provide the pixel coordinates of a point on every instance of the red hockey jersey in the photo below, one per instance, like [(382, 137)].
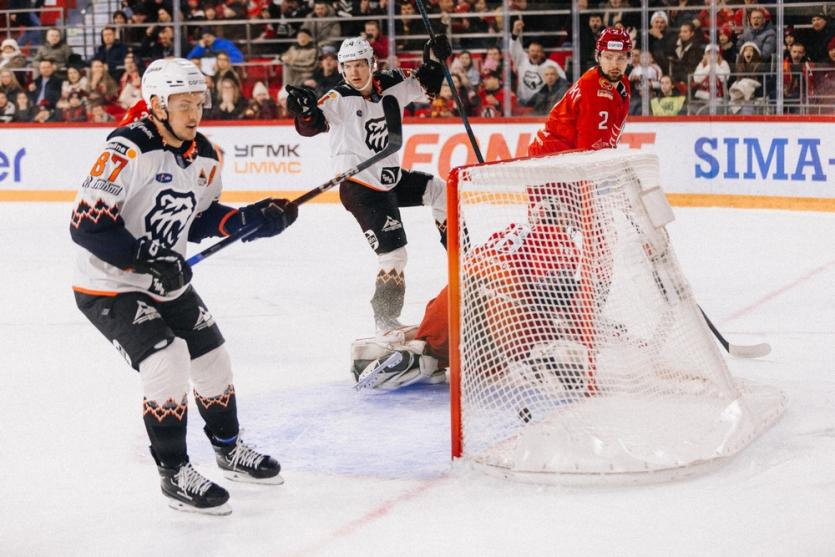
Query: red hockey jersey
[(589, 117)]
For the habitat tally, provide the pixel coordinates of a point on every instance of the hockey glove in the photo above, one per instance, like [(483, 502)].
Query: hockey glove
[(301, 101), (167, 267), (271, 216), (431, 76), (439, 46)]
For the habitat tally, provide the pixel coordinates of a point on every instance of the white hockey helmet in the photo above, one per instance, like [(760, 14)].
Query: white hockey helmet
[(170, 76), (355, 48)]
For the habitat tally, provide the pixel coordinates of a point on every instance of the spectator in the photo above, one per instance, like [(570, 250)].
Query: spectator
[(54, 49), (284, 10), (10, 56), (231, 105), (24, 110), (727, 43), (233, 9), (660, 38), (119, 19), (356, 12), (683, 11), (9, 84), (701, 75), (443, 105), (44, 113), (492, 60), (164, 16), (822, 89), (468, 95), (7, 109), (749, 63), (551, 92), (796, 74), (102, 85), (685, 55), (112, 52), (75, 111), (492, 96), (225, 70), (817, 38), (129, 83), (300, 59), (326, 75), (761, 33), (75, 82), (99, 114), (210, 45), (588, 40), (159, 43), (743, 14), (724, 16), (404, 27), (529, 66), (668, 101), (152, 8), (135, 35), (482, 25), (261, 107), (379, 42), (325, 33), (27, 20), (464, 67), (46, 89), (612, 11), (644, 70)]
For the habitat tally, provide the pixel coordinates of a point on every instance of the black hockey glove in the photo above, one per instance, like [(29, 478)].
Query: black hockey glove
[(270, 215), (440, 48), (168, 268), (431, 76), (301, 101)]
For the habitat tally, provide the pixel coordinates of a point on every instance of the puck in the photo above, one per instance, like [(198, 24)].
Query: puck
[(525, 415)]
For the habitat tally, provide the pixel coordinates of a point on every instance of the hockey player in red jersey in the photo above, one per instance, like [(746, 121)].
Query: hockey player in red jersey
[(155, 187), (522, 281), (593, 111)]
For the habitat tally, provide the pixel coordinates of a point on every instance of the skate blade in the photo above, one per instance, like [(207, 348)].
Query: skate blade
[(242, 477), (220, 510)]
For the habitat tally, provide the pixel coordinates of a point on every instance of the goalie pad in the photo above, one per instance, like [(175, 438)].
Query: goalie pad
[(401, 368), (561, 365), (366, 350)]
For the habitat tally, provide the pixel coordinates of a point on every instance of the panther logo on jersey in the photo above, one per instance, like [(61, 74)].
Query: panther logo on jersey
[(376, 134), (168, 218)]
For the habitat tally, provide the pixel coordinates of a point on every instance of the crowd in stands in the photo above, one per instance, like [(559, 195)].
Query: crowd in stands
[(42, 79)]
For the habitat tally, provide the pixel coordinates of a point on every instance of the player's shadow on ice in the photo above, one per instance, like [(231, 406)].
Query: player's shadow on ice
[(331, 428)]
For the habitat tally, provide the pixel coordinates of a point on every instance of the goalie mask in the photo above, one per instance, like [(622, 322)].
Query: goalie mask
[(356, 48), (552, 204)]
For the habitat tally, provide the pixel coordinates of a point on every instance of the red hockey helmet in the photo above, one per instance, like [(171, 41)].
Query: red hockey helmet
[(614, 39)]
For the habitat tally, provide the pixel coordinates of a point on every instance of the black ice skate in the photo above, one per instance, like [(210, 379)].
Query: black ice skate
[(189, 491), (242, 463)]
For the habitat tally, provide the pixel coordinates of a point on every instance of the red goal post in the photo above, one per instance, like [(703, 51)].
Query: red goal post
[(577, 349)]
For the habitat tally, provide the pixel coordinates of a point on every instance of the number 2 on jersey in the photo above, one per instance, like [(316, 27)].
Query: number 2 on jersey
[(604, 119), (101, 163)]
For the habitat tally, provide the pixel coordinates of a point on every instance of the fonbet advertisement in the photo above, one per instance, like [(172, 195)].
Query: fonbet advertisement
[(787, 159)]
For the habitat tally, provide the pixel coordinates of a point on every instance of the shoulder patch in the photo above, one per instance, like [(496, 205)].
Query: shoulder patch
[(205, 148), (389, 78), (140, 134), (331, 95)]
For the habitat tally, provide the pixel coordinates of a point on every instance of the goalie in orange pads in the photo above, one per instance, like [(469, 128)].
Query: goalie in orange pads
[(522, 282)]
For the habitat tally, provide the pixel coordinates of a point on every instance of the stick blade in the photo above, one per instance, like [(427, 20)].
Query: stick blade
[(750, 351)]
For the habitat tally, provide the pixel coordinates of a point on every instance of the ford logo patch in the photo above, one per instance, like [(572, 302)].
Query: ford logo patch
[(164, 177)]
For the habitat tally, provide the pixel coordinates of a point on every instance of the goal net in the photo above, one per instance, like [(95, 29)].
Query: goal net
[(578, 350)]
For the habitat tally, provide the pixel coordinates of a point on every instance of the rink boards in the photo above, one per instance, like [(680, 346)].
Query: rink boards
[(783, 163)]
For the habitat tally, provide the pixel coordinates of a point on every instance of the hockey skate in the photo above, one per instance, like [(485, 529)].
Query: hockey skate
[(400, 368), (242, 463), (189, 491)]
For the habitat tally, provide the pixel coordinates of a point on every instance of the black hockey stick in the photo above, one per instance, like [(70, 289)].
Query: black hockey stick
[(391, 109), (740, 351), (452, 88)]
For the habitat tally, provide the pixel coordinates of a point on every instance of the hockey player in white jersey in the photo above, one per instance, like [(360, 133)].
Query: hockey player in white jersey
[(352, 113), (154, 187)]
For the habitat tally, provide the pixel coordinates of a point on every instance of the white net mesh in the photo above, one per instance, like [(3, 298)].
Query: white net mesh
[(581, 348)]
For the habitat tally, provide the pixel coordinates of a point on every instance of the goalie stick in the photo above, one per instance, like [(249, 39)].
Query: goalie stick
[(391, 110)]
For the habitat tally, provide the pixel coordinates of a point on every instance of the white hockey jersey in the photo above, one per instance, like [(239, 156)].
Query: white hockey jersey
[(152, 190), (531, 76), (357, 126)]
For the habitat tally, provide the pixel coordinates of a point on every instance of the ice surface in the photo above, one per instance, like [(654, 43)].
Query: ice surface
[(370, 475)]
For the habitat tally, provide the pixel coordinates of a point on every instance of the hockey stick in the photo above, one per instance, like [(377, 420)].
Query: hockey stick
[(452, 88), (391, 109), (738, 350)]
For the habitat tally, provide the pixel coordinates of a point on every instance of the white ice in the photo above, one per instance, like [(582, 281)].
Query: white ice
[(371, 475)]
